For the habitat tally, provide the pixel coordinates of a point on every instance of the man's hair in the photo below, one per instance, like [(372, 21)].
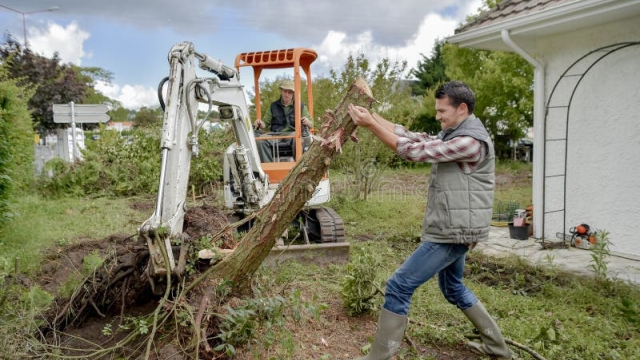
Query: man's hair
[(458, 93)]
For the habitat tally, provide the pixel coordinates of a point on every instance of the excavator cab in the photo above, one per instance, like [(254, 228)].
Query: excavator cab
[(287, 149)]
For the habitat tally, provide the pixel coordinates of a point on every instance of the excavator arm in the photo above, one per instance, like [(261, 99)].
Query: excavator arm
[(186, 93)]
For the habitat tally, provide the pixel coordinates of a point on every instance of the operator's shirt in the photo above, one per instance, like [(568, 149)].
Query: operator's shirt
[(466, 151), (266, 119)]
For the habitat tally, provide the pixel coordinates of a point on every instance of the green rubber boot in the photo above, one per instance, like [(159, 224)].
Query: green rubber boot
[(388, 336), (493, 343)]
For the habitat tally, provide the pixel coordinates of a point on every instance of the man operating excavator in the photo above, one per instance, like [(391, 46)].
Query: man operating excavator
[(279, 119)]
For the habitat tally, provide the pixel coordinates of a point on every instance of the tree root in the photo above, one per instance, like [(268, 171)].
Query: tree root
[(122, 280), (100, 290)]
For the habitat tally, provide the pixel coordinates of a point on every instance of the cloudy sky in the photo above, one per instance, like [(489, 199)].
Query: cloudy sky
[(131, 38)]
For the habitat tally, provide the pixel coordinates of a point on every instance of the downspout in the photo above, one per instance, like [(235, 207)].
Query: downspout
[(539, 134)]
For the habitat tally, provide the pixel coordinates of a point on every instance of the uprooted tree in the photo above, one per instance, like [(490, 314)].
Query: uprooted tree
[(295, 190), (112, 285)]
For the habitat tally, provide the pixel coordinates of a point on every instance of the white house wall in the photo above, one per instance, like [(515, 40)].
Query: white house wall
[(603, 164)]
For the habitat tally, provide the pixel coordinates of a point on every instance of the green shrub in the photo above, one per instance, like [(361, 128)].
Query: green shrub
[(363, 285), (112, 166), (206, 169), (16, 147), (116, 165)]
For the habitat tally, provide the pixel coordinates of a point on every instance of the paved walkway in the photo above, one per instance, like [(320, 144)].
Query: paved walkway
[(572, 259)]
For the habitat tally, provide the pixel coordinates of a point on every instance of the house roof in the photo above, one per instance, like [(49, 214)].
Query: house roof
[(528, 19), (509, 9)]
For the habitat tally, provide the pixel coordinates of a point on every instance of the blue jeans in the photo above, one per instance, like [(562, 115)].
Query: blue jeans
[(429, 259)]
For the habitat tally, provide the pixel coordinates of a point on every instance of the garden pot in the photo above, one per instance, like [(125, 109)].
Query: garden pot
[(518, 232)]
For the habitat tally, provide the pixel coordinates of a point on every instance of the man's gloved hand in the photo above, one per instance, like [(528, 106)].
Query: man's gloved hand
[(306, 122), (258, 124)]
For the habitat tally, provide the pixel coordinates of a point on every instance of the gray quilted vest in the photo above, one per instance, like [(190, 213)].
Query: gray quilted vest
[(459, 205)]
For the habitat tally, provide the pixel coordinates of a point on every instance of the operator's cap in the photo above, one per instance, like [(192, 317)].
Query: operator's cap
[(287, 85)]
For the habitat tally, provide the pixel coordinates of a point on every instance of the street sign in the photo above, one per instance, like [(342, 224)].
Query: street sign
[(82, 113), (85, 118)]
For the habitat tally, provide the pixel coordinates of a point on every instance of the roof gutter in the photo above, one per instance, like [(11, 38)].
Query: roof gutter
[(538, 130), (545, 18)]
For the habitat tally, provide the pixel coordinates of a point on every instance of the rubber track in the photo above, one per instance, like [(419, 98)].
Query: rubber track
[(331, 225)]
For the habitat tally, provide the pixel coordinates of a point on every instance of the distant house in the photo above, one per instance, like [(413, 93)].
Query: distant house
[(119, 126), (586, 55)]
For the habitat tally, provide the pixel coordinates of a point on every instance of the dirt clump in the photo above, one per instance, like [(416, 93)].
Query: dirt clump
[(207, 221)]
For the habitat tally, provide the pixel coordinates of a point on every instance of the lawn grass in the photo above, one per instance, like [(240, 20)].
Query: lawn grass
[(557, 314), (41, 223), (561, 316)]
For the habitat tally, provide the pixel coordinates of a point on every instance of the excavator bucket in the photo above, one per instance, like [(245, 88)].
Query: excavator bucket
[(317, 254), (323, 232)]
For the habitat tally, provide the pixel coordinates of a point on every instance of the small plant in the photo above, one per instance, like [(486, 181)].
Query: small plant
[(91, 262), (600, 256), (550, 258), (63, 242), (36, 299), (549, 338), (238, 324), (107, 330), (267, 315), (519, 283), (310, 307), (138, 324), (362, 286), (5, 286)]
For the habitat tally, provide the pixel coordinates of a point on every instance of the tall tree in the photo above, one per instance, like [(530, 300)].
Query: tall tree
[(53, 82), (430, 71), (148, 118), (503, 83), (89, 76)]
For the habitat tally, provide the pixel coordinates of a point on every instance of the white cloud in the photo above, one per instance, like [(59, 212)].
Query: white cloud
[(471, 8), (397, 31), (336, 46), (67, 41), (390, 22), (131, 97)]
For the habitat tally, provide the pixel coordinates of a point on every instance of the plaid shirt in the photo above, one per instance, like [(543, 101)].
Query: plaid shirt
[(464, 150)]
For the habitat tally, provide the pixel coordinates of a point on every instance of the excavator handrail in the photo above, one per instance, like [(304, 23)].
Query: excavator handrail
[(275, 136), (276, 59)]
